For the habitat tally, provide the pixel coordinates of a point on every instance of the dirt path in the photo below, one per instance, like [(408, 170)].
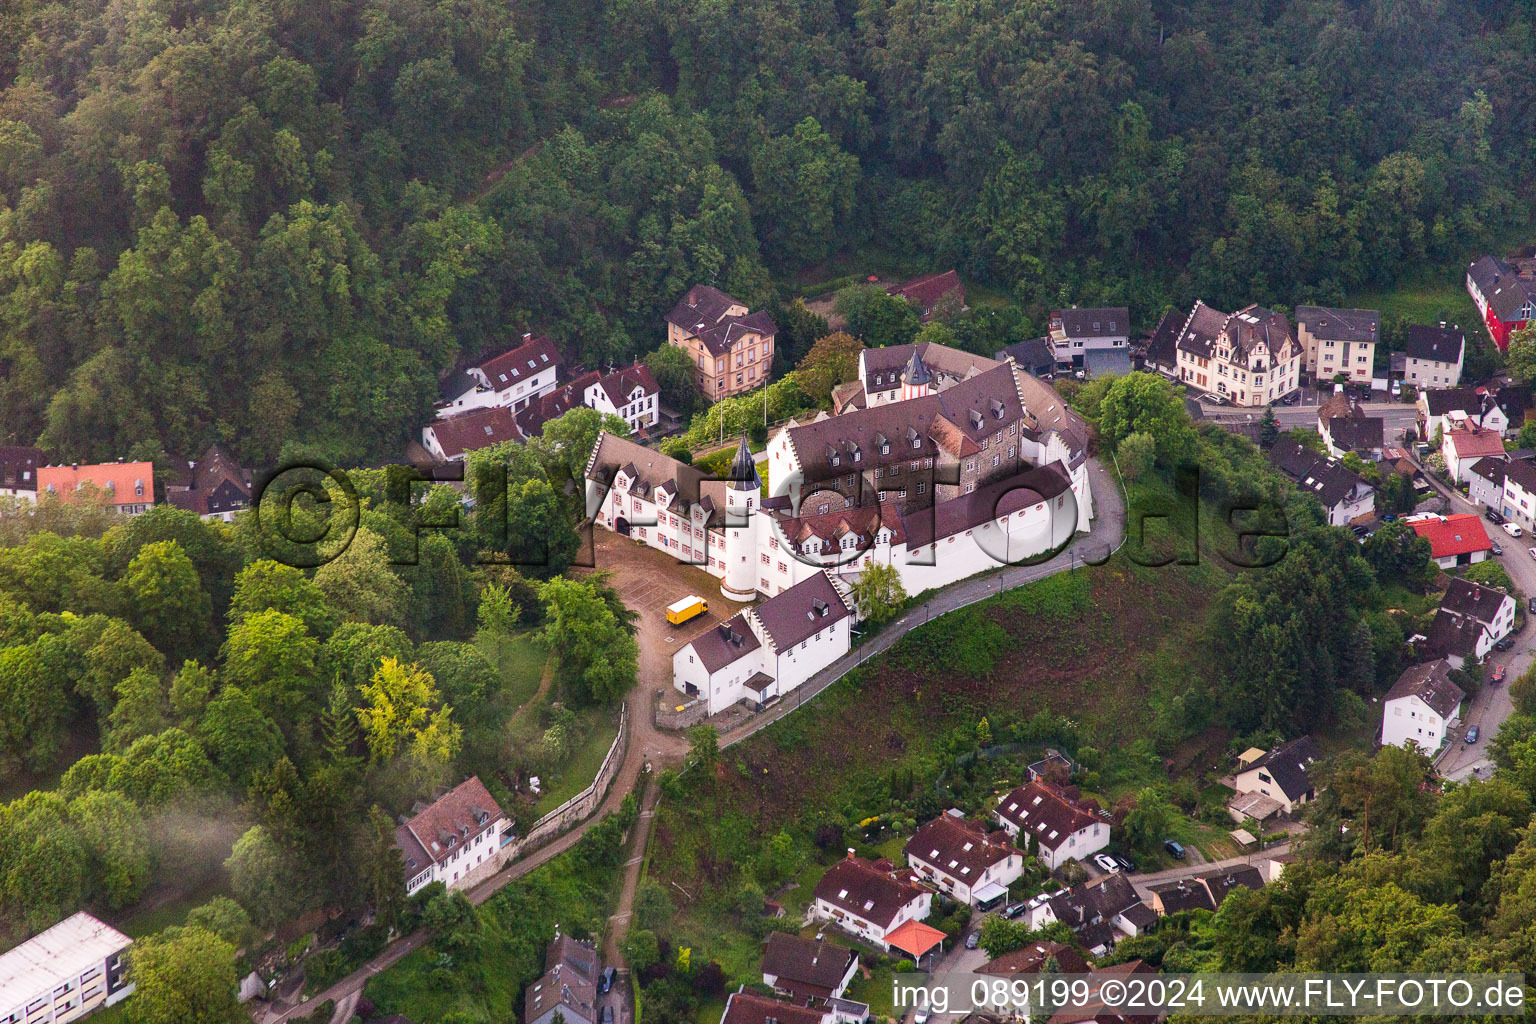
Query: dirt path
[(618, 924), (546, 680)]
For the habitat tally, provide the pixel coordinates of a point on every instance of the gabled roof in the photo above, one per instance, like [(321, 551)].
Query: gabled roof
[(647, 467), (1162, 346), (1490, 468), (1523, 473), (1317, 474), (1201, 329), (458, 815), (622, 382), (1431, 683), (925, 291), (533, 356), (1475, 444), (123, 483), (724, 643), (1364, 433), (750, 1008), (701, 306), (1094, 321), (1331, 324), (1459, 534), (1030, 958), (805, 967), (1441, 344), (1467, 598), (569, 982), (857, 887), (1184, 894), (18, 466), (1104, 897), (1035, 356), (882, 366), (1440, 401), (554, 404), (1453, 633), (1289, 764), (1252, 326), (1503, 287), (999, 498), (478, 428), (795, 615), (960, 849), (1045, 813), (1222, 881)]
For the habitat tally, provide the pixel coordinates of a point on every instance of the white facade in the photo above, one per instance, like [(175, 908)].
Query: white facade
[(454, 870), (1431, 373), (1406, 720), (1078, 845), (1455, 442), (61, 975), (639, 410), (915, 910), (511, 380)]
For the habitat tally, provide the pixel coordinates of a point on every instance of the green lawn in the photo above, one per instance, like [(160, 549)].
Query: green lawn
[(1429, 300), (520, 659), (597, 727)]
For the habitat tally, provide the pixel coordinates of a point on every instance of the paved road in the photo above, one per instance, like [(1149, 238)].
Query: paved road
[(1397, 415), (1143, 883), (1492, 704)]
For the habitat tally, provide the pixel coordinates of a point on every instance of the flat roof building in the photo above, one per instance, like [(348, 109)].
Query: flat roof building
[(64, 973)]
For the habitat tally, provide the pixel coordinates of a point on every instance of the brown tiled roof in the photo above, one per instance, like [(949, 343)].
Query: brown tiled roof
[(1046, 411), (969, 511), (960, 849), (569, 982), (1432, 684), (1222, 881), (1201, 329), (855, 886), (700, 306), (925, 291), (650, 468), (1450, 633), (887, 363), (476, 429), (724, 642), (1363, 433), (462, 813), (721, 337), (1440, 401), (1467, 598), (18, 466), (1162, 346), (215, 467), (1490, 468), (1030, 958), (751, 1008), (848, 395), (1523, 473), (570, 395), (505, 370), (804, 967), (1469, 444), (799, 613), (625, 379), (1045, 813), (1102, 898)]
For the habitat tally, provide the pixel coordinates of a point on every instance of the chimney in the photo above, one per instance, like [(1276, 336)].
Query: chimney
[(527, 335), (850, 854)]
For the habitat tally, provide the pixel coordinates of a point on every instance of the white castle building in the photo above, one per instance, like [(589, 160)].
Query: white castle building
[(974, 466)]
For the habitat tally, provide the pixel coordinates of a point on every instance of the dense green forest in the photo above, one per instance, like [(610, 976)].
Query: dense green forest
[(273, 224)]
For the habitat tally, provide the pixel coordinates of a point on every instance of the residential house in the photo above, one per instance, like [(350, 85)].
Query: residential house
[(1485, 481), (1036, 357), (457, 839), (1250, 357), (60, 975), (1204, 891), (765, 652), (452, 438), (1442, 410), (1470, 621), (1100, 911), (1422, 707), (1346, 428), (743, 1007), (1103, 1004), (217, 487), (1345, 497), (630, 393), (1456, 539), (1161, 354), (1505, 295), (1056, 826), (1335, 341), (1035, 957), (932, 293), (1431, 356), (966, 863), (512, 380), (807, 970), (127, 487), (18, 471), (870, 899), (568, 988), (1518, 404), (1462, 448), (1519, 501), (1283, 774), (1076, 332), (732, 349)]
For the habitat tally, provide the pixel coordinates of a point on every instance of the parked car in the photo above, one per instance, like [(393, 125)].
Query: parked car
[(609, 973), (1389, 517), (1175, 848), (1497, 675), (1493, 517), (1504, 645), (607, 1015), (1496, 549), (920, 1017), (1126, 864), (1472, 735), (1106, 862), (1013, 910), (1512, 529), (1216, 399), (973, 940)]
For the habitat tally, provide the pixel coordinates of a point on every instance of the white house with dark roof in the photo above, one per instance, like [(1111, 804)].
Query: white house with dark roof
[(1100, 911), (764, 652), (870, 899), (511, 380), (1442, 410), (457, 839), (568, 988), (1076, 333), (963, 860), (1431, 356), (1282, 774), (1519, 499), (1471, 619), (1057, 827), (1345, 497), (1335, 341), (1422, 707), (1485, 481), (807, 970)]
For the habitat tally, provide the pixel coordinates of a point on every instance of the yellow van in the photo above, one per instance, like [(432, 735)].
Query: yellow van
[(679, 612)]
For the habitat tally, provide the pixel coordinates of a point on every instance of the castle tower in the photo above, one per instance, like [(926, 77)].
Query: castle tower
[(743, 494), (916, 379)]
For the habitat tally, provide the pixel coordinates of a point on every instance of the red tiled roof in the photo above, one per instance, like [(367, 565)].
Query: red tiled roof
[(927, 290), (479, 428), (507, 369), (856, 886), (1460, 534), (1475, 444), (1045, 813), (915, 937), (751, 1008), (424, 839), (124, 483)]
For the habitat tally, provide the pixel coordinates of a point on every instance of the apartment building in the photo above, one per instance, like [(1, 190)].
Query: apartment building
[(72, 969), (732, 349)]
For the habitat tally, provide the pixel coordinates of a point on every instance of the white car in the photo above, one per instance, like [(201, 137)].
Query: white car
[(1532, 551), (1107, 863), (1512, 529)]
